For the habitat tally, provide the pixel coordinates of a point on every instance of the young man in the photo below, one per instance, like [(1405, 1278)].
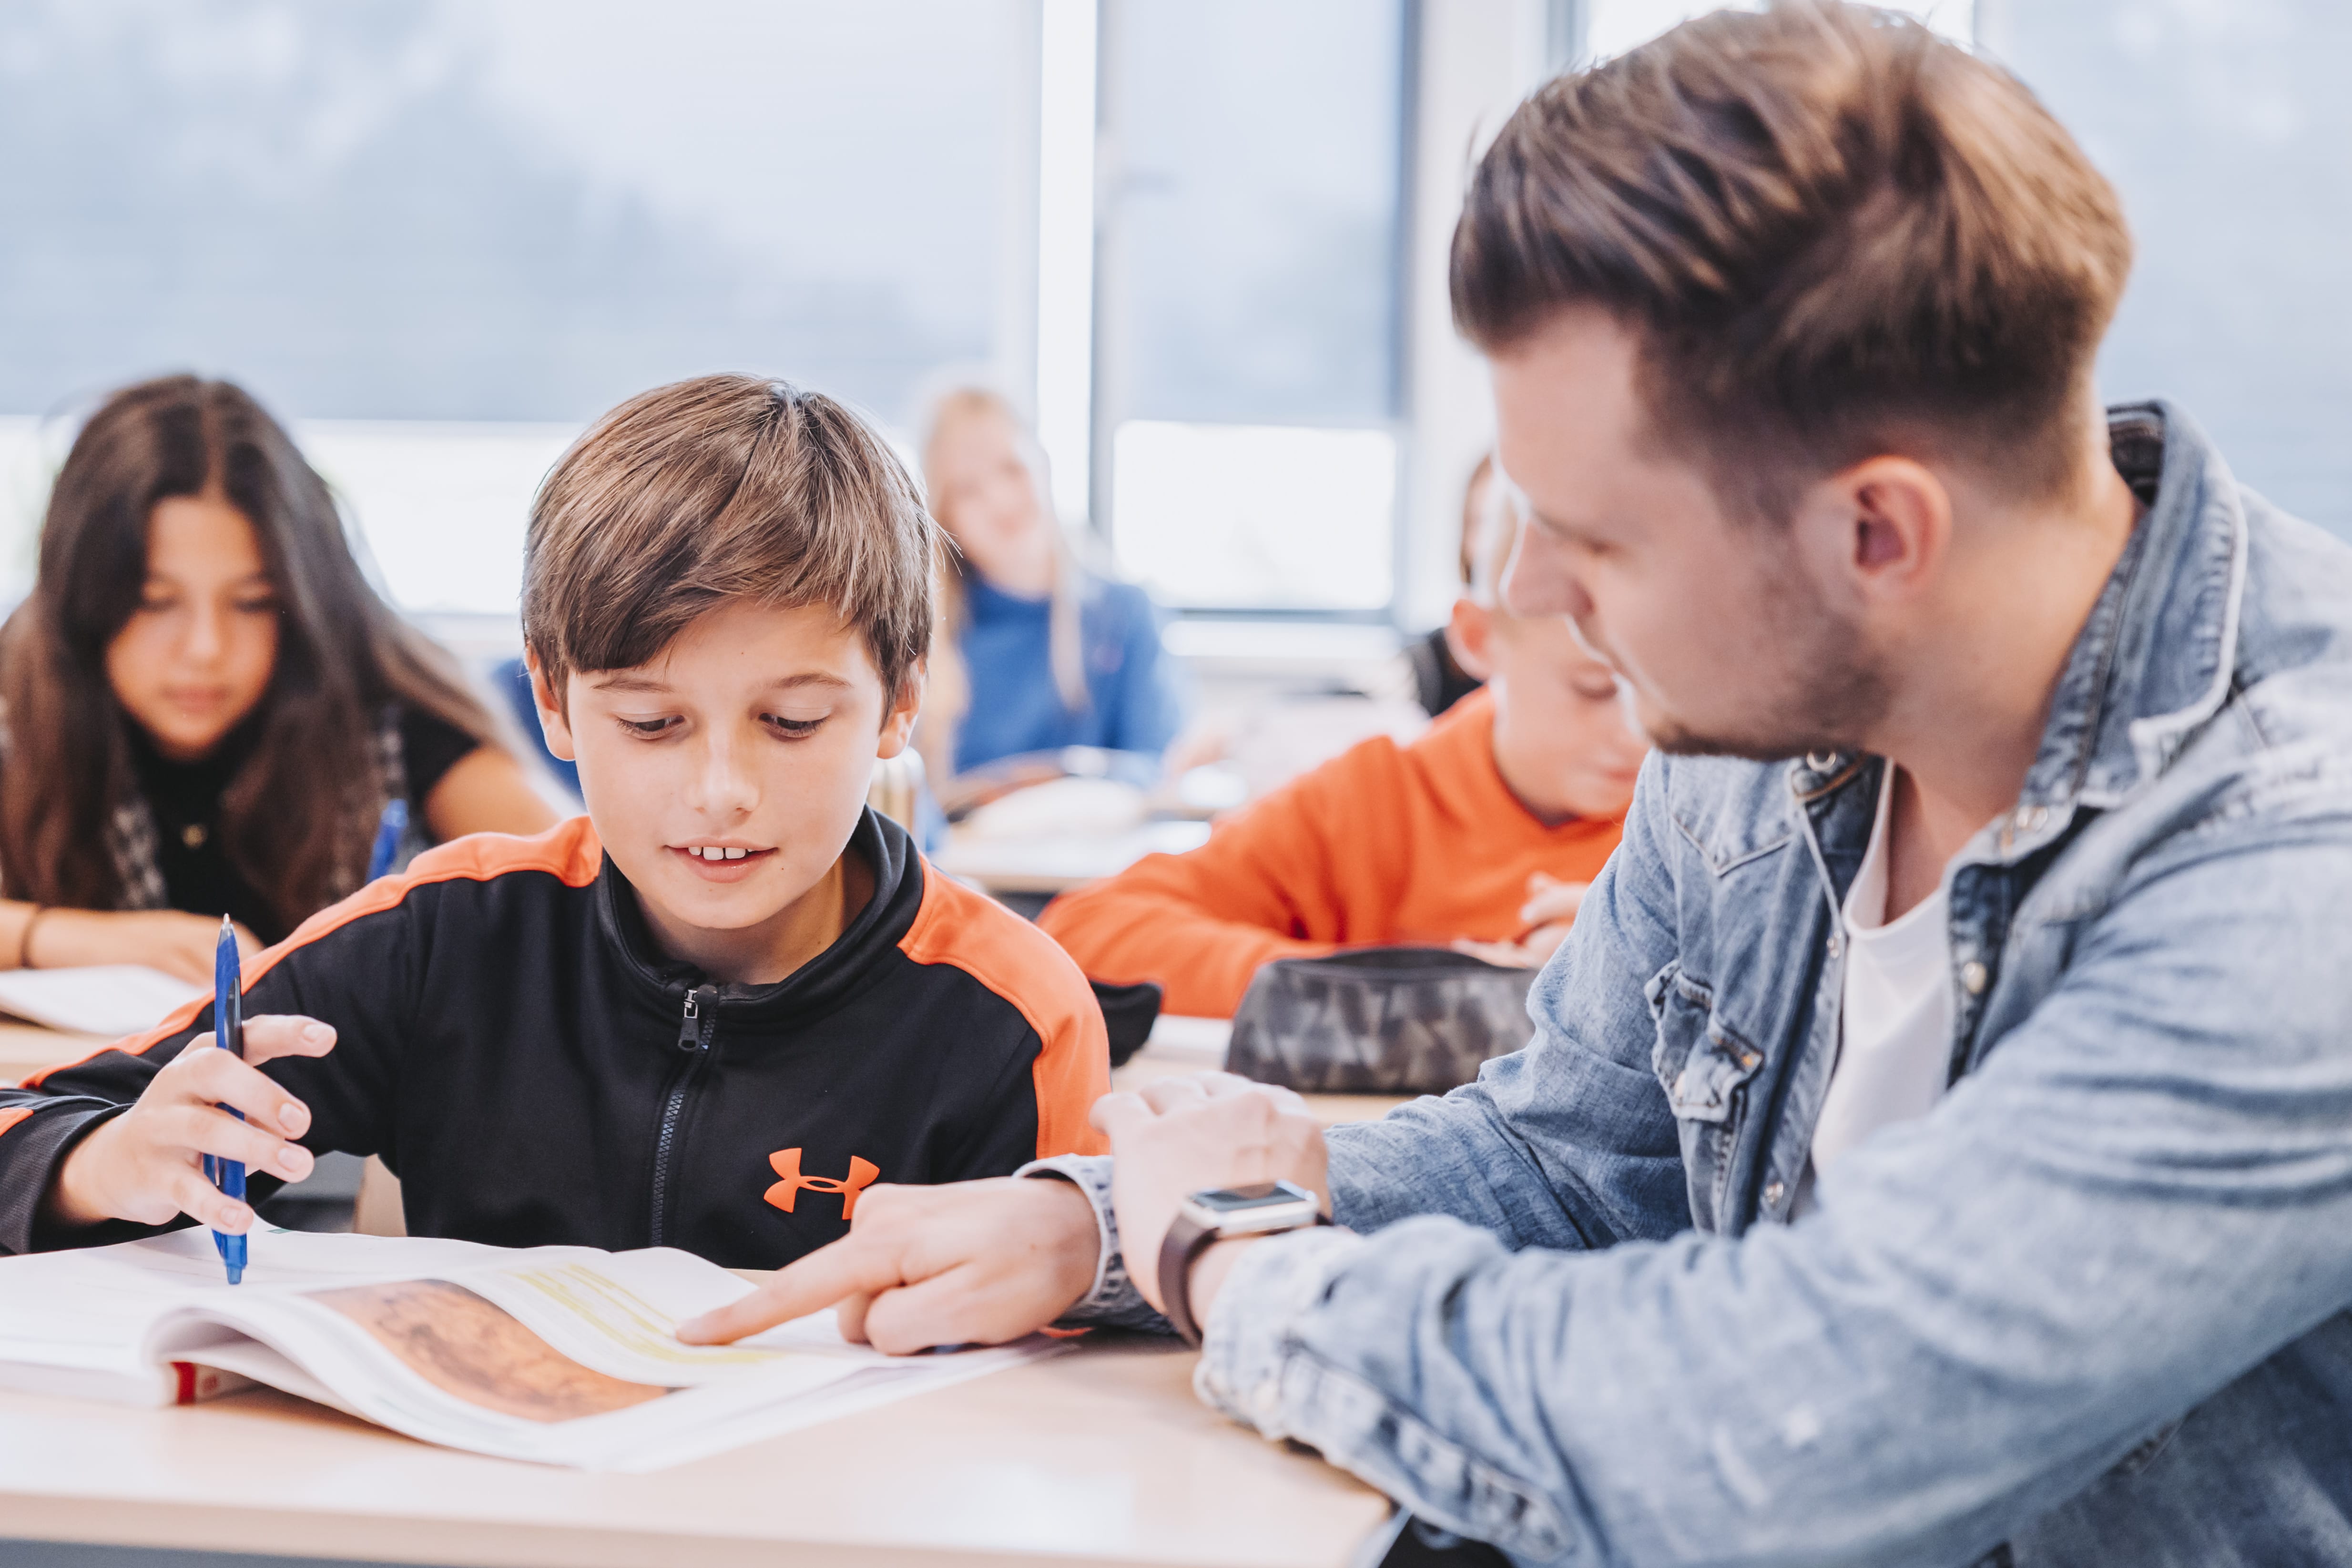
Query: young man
[(1780, 1244), (710, 1014), (1483, 833)]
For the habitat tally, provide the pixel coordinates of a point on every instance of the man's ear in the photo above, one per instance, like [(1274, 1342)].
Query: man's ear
[(1883, 525), (553, 723), (1470, 637), (899, 723)]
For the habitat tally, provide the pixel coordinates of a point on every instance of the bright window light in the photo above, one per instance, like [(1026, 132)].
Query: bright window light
[(1617, 26), (440, 508), (506, 215), (1254, 517), (1066, 246)]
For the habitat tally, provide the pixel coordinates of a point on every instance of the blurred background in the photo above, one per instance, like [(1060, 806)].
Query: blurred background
[(1201, 241)]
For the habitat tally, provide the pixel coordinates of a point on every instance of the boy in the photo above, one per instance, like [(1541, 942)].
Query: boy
[(708, 1014), (1482, 834)]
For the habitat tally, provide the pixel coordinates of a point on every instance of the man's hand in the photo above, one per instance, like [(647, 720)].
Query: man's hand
[(1546, 917), (966, 1263), (1205, 1130), (147, 1164)]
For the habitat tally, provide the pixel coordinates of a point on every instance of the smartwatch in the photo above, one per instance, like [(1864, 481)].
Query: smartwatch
[(1214, 1215)]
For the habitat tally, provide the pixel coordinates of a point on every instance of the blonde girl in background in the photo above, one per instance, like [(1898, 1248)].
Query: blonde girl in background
[(1034, 651)]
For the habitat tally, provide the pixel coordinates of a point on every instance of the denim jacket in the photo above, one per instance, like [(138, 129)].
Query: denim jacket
[(2091, 1310)]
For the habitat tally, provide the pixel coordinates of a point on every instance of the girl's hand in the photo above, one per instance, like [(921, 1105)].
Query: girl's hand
[(179, 944)]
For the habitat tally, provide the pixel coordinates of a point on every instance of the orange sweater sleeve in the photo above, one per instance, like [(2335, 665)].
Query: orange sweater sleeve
[(1262, 887)]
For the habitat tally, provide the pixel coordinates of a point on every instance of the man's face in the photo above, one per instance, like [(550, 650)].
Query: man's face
[(753, 735), (1723, 639)]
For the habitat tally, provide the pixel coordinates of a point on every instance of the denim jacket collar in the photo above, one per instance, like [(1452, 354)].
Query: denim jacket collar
[(2154, 660)]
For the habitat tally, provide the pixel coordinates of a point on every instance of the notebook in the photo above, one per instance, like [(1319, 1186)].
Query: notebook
[(564, 1355)]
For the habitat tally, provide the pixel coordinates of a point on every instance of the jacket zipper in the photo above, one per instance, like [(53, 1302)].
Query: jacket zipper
[(699, 1023)]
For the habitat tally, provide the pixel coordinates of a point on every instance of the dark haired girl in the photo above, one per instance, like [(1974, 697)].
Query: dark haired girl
[(206, 706)]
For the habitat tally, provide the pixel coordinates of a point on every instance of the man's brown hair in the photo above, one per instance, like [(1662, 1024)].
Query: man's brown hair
[(723, 488), (1834, 233)]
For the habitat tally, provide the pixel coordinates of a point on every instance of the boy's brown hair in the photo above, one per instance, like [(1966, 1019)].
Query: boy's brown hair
[(722, 488), (1836, 234)]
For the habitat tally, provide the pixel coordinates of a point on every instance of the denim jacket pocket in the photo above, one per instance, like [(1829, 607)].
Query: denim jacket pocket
[(1701, 1063), (1704, 1069)]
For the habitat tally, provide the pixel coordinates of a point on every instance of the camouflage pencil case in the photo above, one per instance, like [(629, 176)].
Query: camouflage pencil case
[(1383, 1020)]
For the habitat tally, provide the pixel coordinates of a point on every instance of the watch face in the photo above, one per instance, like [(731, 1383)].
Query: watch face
[(1242, 1200)]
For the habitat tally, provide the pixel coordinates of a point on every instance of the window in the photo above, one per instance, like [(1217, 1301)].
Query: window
[(1612, 26), (1247, 355), (438, 238), (2225, 127)]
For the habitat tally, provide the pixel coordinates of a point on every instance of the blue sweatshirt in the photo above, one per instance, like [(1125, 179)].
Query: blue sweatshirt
[(1132, 704)]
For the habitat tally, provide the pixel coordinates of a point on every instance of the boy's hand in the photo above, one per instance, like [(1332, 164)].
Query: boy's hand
[(1203, 1130), (1546, 917), (965, 1263), (146, 1165)]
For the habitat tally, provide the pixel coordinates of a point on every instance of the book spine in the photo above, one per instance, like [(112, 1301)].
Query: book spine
[(192, 1384)]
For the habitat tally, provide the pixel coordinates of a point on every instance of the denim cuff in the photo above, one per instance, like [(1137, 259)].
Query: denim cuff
[(1113, 1302), (1249, 1333)]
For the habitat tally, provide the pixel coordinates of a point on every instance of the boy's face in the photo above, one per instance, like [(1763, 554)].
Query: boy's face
[(1561, 739), (1558, 712), (754, 734)]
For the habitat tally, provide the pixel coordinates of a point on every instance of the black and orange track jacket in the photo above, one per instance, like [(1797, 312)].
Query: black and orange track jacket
[(513, 1044)]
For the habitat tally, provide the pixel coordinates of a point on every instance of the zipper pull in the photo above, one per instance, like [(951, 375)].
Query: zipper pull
[(700, 1018)]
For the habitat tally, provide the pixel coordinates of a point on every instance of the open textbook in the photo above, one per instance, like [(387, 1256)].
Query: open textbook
[(560, 1354)]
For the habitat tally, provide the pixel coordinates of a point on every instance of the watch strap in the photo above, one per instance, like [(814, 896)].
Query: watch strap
[(1185, 1241)]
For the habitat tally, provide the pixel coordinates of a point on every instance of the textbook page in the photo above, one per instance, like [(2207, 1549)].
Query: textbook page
[(72, 1322), (562, 1355), (110, 999)]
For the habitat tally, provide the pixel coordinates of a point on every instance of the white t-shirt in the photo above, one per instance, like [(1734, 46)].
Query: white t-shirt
[(1895, 1042)]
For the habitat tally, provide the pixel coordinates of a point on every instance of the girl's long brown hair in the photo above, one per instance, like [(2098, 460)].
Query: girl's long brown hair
[(299, 815)]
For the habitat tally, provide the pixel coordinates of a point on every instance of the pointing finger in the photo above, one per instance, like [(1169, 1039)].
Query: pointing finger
[(852, 1266)]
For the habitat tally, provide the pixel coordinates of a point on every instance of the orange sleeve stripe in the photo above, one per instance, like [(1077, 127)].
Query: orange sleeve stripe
[(958, 927), (10, 1118), (568, 850)]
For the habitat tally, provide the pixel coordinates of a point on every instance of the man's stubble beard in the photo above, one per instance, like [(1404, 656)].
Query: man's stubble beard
[(1826, 691)]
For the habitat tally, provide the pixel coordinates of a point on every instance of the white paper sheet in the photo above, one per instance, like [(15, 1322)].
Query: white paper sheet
[(110, 999)]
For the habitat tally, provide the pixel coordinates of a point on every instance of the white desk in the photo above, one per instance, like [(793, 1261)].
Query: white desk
[(27, 1048), (1101, 1456), (1056, 865)]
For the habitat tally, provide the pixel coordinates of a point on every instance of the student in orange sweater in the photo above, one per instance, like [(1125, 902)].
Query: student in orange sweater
[(1482, 834)]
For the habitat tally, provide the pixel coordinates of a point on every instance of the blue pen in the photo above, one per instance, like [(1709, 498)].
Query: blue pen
[(387, 838), (228, 1030)]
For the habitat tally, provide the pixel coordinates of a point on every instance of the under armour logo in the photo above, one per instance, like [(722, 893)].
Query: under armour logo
[(787, 1164)]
